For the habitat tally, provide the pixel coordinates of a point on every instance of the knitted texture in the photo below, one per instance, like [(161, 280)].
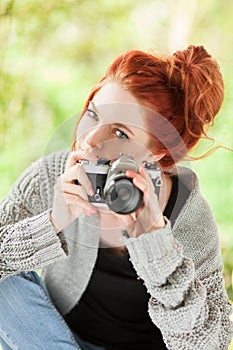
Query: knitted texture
[(180, 267)]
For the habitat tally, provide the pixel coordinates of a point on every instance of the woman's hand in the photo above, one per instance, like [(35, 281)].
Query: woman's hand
[(71, 200), (149, 216)]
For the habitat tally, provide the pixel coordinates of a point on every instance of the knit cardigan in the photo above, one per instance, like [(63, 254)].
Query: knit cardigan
[(180, 267)]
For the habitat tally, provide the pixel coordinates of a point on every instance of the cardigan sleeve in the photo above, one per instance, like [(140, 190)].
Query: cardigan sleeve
[(28, 240), (188, 301)]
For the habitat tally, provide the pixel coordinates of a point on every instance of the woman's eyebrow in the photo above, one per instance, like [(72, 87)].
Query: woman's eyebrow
[(119, 125), (92, 105)]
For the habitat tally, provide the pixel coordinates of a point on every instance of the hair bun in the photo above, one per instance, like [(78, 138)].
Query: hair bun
[(201, 81), (190, 57)]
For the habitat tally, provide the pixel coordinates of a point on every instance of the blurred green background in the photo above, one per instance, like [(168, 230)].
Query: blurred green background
[(53, 52)]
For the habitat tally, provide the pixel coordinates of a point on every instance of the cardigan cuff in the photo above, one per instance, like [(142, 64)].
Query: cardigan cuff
[(155, 255), (156, 244), (48, 245)]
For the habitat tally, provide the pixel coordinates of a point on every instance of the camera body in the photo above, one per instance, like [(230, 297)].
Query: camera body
[(113, 188)]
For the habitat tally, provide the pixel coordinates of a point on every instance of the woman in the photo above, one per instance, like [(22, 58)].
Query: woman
[(158, 283)]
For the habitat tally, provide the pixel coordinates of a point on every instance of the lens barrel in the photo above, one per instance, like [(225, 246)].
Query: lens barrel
[(122, 196)]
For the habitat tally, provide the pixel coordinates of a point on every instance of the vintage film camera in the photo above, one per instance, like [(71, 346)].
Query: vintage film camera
[(113, 188)]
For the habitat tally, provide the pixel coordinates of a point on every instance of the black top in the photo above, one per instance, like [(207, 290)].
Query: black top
[(113, 311)]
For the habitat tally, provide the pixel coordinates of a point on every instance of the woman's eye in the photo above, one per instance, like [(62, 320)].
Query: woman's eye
[(92, 114), (120, 134)]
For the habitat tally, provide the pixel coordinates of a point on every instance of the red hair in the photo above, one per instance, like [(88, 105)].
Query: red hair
[(186, 88)]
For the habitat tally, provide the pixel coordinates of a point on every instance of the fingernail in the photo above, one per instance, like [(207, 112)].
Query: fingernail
[(91, 192)]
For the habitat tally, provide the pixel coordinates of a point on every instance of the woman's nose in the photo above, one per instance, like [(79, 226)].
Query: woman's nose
[(94, 138)]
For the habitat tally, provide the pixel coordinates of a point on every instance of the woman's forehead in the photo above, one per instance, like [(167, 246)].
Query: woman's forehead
[(112, 92), (119, 112)]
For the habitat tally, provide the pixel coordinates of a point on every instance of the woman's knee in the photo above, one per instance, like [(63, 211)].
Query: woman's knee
[(27, 315)]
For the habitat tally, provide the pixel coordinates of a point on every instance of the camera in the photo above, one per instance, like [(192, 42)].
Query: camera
[(113, 188)]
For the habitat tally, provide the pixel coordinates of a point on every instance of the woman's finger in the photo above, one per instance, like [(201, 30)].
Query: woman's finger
[(76, 172), (77, 193), (77, 207), (139, 180), (143, 182), (73, 189), (76, 156)]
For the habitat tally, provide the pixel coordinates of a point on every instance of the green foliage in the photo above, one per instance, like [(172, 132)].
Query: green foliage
[(53, 52)]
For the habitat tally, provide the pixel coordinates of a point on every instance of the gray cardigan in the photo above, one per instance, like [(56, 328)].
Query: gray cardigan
[(181, 267)]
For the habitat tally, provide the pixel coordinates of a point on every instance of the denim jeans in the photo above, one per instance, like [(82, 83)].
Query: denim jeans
[(29, 320)]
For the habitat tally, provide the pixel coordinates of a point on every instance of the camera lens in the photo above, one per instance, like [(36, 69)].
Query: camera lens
[(122, 196), (124, 193)]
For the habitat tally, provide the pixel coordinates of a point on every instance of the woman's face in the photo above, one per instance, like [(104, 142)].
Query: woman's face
[(114, 123)]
